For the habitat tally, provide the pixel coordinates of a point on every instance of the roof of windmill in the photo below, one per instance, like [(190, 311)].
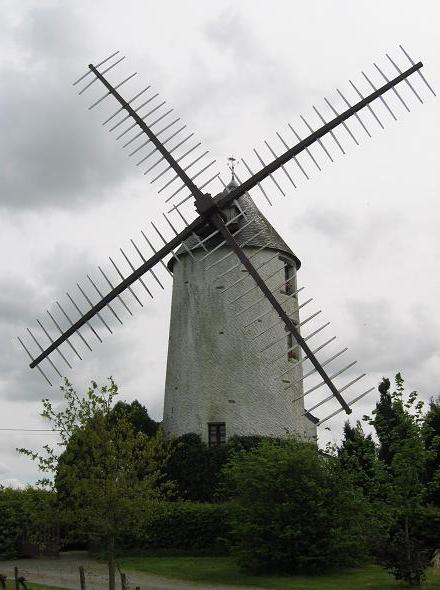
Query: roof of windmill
[(267, 235)]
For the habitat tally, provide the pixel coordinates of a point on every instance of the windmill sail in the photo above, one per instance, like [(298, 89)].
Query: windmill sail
[(160, 136), (332, 128), (149, 130)]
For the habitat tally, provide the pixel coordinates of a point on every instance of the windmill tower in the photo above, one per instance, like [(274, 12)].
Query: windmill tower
[(217, 383), (236, 350)]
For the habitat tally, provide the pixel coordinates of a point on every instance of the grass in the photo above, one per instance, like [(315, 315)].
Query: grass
[(222, 570)]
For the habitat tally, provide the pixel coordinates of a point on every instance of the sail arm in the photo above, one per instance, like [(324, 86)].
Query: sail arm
[(314, 137), (120, 288)]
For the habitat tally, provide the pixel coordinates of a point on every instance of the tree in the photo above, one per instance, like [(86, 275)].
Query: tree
[(137, 415), (431, 437), (294, 510), (188, 468), (195, 468), (120, 471), (398, 421), (358, 455), (390, 418)]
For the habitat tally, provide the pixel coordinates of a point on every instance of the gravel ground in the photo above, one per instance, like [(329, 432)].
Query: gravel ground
[(63, 572)]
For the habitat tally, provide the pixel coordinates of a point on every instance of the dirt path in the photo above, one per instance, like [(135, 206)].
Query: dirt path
[(63, 572)]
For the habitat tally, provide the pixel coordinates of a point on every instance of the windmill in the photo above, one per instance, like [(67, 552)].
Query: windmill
[(227, 260)]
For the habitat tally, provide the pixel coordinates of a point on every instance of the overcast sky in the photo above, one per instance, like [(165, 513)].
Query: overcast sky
[(365, 228)]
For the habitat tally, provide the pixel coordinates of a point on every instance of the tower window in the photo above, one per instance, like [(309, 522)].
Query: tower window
[(292, 353), (288, 287), (216, 434)]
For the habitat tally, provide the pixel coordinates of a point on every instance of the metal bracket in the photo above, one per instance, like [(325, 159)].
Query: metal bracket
[(205, 205)]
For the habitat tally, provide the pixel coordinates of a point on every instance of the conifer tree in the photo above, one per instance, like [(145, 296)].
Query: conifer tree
[(431, 436)]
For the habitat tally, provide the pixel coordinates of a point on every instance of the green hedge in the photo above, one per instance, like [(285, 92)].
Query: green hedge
[(180, 526), (11, 522), (19, 510)]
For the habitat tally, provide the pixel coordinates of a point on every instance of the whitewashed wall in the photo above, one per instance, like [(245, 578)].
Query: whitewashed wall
[(217, 369)]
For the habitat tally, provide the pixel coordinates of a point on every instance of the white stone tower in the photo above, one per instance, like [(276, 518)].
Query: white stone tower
[(222, 379)]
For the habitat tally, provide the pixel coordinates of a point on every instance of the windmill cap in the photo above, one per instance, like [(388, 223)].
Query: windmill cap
[(257, 233)]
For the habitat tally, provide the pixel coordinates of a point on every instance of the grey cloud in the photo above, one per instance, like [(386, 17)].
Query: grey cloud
[(254, 68), (237, 92), (22, 296), (4, 469), (52, 32), (74, 270), (52, 154), (116, 355), (17, 381), (390, 341), (356, 233), (228, 32), (23, 300), (330, 223), (65, 267), (17, 297)]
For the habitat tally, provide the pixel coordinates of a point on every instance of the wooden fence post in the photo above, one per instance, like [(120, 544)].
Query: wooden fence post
[(123, 581), (82, 578), (16, 578)]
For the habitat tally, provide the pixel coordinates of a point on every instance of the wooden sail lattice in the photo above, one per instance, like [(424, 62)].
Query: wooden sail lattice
[(179, 167)]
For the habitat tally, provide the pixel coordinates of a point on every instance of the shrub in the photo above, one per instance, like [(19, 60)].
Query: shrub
[(11, 522), (411, 544), (180, 526), (195, 468), (21, 510), (293, 510)]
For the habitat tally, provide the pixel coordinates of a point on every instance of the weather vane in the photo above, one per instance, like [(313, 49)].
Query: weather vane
[(232, 163)]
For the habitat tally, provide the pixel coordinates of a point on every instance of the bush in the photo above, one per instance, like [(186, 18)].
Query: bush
[(411, 544), (180, 526), (11, 522), (293, 510), (195, 468), (21, 510)]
